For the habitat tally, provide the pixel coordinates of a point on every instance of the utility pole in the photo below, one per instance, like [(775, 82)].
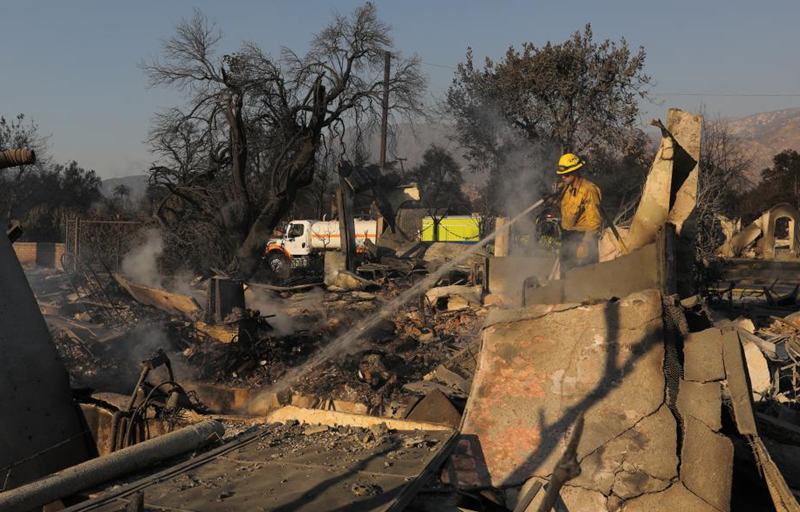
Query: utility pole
[(385, 110), (347, 228)]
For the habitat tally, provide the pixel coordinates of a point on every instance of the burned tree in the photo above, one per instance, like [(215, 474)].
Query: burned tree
[(234, 158), (724, 166), (578, 96)]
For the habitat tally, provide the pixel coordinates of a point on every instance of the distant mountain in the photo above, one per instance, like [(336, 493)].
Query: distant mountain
[(137, 184), (767, 133)]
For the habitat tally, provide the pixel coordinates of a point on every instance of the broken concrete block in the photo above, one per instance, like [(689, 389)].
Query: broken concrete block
[(443, 252), (687, 130), (608, 247), (574, 499), (746, 324), (738, 384), (676, 498), (653, 209), (702, 401), (707, 463), (670, 192), (758, 369), (458, 371), (315, 429), (346, 280), (773, 351), (632, 484), (535, 375), (303, 401), (653, 266), (471, 294), (457, 303), (643, 459), (435, 407), (703, 356), (507, 275)]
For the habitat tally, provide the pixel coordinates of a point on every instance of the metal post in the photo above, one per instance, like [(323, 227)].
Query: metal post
[(77, 237), (347, 228), (385, 109)]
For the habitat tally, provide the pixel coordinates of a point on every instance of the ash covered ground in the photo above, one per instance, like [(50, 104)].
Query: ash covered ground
[(103, 338)]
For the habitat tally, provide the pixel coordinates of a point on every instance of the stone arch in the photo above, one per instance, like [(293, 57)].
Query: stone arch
[(780, 226)]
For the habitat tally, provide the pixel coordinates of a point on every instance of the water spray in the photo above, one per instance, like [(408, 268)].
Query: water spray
[(344, 342)]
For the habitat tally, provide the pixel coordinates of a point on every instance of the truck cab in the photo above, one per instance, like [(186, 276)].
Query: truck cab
[(305, 241), (291, 250), (296, 239)]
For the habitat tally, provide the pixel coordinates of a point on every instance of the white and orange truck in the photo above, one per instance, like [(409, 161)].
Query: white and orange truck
[(305, 241)]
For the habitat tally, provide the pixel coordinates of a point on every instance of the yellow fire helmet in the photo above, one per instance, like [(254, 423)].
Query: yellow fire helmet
[(569, 163)]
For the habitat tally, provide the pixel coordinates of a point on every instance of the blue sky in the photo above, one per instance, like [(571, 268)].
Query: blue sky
[(72, 65)]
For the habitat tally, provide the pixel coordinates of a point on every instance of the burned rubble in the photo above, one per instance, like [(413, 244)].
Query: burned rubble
[(463, 384)]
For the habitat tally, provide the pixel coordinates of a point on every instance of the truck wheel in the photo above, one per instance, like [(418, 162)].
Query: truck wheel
[(279, 264)]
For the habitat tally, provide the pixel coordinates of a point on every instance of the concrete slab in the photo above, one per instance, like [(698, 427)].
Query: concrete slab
[(701, 401), (507, 275), (676, 498), (687, 128), (670, 191), (653, 266), (707, 464), (758, 370), (703, 356), (653, 209), (535, 376), (471, 293), (643, 459), (295, 468), (738, 384), (573, 499)]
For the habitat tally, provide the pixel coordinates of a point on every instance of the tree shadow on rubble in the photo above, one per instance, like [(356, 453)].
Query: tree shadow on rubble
[(613, 373), (357, 504)]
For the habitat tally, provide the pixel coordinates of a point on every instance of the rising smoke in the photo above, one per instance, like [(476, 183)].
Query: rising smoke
[(304, 311), (141, 263)]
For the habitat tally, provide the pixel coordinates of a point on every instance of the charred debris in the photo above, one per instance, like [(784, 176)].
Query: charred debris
[(630, 384)]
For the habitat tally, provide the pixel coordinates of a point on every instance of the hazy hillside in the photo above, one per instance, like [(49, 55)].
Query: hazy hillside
[(766, 134)]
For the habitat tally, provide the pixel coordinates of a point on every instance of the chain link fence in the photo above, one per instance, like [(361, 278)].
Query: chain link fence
[(101, 243)]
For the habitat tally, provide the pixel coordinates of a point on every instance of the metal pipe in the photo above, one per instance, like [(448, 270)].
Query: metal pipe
[(97, 471), (15, 157)]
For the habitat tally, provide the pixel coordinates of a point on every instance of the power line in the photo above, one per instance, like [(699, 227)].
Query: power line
[(730, 95), (713, 94), (438, 65)]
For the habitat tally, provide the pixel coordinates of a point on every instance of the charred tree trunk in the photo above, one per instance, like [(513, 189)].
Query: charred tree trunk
[(298, 174), (238, 148)]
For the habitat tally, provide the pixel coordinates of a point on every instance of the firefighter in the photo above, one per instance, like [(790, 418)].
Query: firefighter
[(580, 214)]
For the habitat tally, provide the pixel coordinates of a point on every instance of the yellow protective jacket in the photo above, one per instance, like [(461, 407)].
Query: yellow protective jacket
[(580, 206)]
